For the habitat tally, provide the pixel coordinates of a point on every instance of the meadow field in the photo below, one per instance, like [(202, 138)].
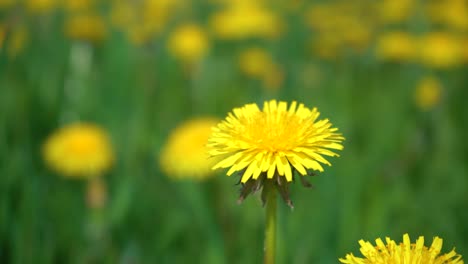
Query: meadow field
[(388, 74)]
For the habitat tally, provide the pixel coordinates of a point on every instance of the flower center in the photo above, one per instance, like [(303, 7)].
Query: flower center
[(277, 131), (83, 144)]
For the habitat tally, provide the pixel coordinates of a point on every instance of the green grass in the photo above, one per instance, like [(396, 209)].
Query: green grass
[(402, 170)]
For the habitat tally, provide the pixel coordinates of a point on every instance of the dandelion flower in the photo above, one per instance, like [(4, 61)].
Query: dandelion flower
[(79, 150), (273, 143), (440, 50), (78, 5), (258, 64), (5, 4), (405, 252), (428, 93), (86, 27), (255, 62), (41, 6), (185, 154), (453, 13), (395, 11), (396, 46), (246, 20), (188, 43)]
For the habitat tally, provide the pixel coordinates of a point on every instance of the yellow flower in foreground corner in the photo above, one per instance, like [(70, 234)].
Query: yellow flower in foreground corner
[(79, 150), (404, 253), (272, 143), (185, 154)]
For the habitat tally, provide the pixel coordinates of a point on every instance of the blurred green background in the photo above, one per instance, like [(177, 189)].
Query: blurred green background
[(391, 75)]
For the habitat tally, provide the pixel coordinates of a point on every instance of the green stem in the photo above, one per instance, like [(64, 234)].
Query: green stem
[(270, 226)]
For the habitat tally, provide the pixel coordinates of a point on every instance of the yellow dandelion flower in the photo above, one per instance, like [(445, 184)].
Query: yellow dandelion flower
[(255, 62), (122, 14), (79, 150), (78, 5), (184, 154), (428, 93), (41, 6), (244, 20), (395, 11), (87, 27), (270, 144), (188, 43), (396, 46), (327, 46), (405, 252), (4, 4), (440, 50), (274, 140), (453, 13)]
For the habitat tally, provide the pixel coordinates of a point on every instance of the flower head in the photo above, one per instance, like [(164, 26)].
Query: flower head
[(405, 252), (244, 20), (255, 62), (188, 43), (396, 46), (86, 27), (184, 154), (440, 50), (259, 64), (79, 150), (273, 142), (41, 6)]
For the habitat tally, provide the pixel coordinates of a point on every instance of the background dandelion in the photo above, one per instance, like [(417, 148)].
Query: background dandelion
[(363, 63)]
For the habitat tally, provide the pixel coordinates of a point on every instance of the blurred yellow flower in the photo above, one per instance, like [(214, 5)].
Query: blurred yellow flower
[(122, 14), (156, 14), (452, 13), (244, 20), (41, 6), (4, 4), (428, 93), (396, 46), (405, 252), (78, 5), (339, 27), (79, 150), (440, 50), (184, 155), (358, 36), (327, 45), (188, 42), (273, 142), (255, 62), (139, 34), (395, 11), (86, 27), (141, 21)]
